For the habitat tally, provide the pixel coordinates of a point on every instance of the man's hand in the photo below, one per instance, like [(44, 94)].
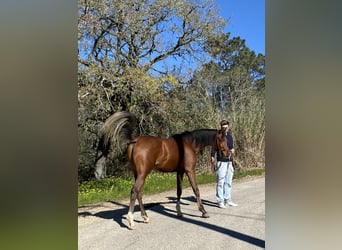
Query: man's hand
[(213, 164)]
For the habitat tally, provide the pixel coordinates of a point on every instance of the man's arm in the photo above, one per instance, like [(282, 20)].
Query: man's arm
[(230, 143), (212, 154)]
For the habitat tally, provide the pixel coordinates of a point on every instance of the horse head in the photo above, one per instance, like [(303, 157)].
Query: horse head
[(220, 143)]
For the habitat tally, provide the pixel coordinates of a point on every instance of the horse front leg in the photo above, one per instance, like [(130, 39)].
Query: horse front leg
[(192, 180), (180, 175)]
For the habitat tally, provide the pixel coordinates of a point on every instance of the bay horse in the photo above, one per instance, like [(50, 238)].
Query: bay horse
[(145, 153)]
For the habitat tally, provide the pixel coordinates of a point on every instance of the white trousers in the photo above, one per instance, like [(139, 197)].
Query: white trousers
[(224, 179)]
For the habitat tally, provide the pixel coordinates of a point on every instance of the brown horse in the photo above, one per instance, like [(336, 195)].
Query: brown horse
[(145, 153)]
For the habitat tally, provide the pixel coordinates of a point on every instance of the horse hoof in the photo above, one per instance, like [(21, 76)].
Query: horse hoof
[(179, 215), (205, 215), (132, 227), (147, 220)]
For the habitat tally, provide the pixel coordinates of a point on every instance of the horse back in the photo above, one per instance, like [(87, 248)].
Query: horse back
[(148, 152)]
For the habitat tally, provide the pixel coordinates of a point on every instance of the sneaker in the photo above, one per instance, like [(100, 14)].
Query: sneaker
[(221, 205), (232, 204)]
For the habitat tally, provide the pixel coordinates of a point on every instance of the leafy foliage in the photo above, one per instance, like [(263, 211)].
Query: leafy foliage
[(132, 56), (118, 188), (236, 77)]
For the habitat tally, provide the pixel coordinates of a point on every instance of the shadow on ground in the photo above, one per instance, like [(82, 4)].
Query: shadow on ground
[(119, 214)]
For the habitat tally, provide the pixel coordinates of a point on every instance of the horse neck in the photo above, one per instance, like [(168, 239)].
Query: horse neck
[(197, 148), (199, 139)]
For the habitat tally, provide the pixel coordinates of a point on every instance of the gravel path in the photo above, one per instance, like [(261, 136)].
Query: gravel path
[(103, 226)]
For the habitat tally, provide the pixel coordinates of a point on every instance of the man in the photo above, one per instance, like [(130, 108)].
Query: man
[(224, 170)]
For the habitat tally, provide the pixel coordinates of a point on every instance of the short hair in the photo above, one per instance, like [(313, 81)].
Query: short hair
[(224, 122)]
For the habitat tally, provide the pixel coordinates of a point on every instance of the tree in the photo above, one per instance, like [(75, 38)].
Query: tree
[(140, 34), (123, 46), (236, 82)]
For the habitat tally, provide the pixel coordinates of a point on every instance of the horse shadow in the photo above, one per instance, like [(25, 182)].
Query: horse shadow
[(205, 202), (187, 218), (118, 215)]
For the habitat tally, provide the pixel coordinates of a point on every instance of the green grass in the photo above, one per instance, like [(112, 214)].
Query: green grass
[(118, 188)]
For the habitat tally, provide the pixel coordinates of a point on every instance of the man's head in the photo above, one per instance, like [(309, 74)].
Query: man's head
[(224, 125)]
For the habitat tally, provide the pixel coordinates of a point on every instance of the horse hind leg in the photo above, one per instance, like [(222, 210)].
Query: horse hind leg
[(142, 209), (136, 193), (130, 215)]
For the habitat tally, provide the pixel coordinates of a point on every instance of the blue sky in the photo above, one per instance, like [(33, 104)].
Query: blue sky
[(246, 19)]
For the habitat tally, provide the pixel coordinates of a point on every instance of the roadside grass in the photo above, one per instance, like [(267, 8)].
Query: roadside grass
[(119, 188)]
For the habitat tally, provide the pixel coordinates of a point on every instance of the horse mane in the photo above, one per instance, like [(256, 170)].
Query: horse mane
[(199, 137)]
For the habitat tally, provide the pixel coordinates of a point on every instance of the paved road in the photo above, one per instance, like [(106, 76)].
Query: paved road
[(243, 227)]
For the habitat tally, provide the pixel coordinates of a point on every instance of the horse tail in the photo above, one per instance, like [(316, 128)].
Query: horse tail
[(102, 152), (118, 127), (102, 148)]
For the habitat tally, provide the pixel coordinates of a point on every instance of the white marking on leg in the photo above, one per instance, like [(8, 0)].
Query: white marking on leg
[(179, 212), (146, 219), (130, 218)]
